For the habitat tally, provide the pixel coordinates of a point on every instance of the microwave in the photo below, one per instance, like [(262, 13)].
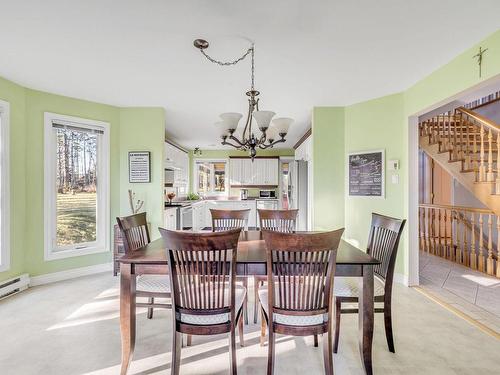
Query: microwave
[(267, 194)]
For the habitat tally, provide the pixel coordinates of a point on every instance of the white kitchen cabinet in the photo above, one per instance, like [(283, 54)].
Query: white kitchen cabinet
[(262, 172), (304, 151), (199, 215), (170, 218), (178, 160), (271, 172), (235, 169)]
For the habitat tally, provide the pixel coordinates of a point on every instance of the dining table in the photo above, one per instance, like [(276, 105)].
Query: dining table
[(251, 261)]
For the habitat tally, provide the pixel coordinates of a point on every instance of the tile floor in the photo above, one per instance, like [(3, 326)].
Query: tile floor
[(72, 327), (474, 293)]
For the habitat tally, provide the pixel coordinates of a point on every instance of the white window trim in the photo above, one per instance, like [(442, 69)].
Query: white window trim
[(49, 180), (5, 186), (195, 176)]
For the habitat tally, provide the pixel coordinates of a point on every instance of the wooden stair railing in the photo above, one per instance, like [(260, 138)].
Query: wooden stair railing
[(450, 232), (468, 138)]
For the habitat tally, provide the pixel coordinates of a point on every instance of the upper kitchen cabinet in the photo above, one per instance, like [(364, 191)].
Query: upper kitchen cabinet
[(262, 172), (177, 160)]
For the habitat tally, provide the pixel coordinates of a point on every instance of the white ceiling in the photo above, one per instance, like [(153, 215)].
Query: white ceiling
[(308, 53)]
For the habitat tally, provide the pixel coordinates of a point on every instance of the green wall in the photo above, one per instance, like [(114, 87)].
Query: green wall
[(328, 167), (143, 129), (127, 131), (375, 125), (15, 95), (383, 124)]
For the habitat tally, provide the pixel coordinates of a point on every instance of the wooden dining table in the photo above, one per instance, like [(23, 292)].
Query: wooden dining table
[(251, 261)]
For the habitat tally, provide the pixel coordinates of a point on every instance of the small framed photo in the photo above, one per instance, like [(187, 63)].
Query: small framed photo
[(139, 166)]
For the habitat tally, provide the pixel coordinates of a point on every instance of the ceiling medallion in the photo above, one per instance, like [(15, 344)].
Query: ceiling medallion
[(251, 140)]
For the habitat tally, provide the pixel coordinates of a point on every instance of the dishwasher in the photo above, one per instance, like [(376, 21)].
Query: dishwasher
[(186, 218)]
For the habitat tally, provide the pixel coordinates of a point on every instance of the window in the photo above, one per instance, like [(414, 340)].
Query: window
[(210, 177), (76, 186), (4, 188)]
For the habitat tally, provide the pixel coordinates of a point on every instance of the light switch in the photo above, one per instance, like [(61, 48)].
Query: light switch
[(395, 179)]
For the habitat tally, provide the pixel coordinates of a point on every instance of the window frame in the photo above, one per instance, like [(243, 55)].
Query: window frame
[(226, 179), (52, 252), (5, 186)]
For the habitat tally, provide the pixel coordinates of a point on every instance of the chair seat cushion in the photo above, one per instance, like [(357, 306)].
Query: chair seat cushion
[(291, 320), (153, 283), (240, 293), (349, 287)]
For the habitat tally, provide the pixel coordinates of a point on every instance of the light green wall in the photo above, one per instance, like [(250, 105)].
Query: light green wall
[(374, 125), (328, 167), (383, 123), (130, 128), (15, 95), (142, 129), (37, 103)]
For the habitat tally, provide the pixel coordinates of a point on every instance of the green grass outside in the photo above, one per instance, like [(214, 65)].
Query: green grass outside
[(76, 218)]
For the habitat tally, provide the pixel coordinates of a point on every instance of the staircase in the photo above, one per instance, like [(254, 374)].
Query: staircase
[(467, 146)]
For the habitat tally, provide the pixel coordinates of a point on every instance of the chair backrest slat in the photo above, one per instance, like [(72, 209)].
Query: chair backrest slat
[(223, 220), (301, 268), (202, 270), (278, 220), (134, 230), (383, 242)]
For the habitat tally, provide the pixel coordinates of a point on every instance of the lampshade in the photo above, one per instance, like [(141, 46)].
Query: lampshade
[(263, 118), (271, 133), (231, 119), (222, 128), (282, 124)]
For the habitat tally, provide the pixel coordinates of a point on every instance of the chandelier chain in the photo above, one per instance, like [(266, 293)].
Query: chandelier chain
[(226, 63)]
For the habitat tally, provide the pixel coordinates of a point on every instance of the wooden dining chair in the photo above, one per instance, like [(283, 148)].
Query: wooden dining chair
[(135, 234), (383, 242), (279, 221), (227, 220), (205, 297), (298, 298)]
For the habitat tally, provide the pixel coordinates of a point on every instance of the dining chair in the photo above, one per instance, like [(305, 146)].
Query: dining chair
[(135, 234), (205, 297), (279, 221), (298, 298), (227, 220), (383, 242)]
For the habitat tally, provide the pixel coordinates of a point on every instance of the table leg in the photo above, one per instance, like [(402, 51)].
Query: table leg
[(366, 312), (127, 314)]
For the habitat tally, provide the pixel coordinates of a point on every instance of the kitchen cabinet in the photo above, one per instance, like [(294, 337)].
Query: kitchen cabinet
[(262, 172), (230, 205), (178, 161), (170, 218), (199, 215)]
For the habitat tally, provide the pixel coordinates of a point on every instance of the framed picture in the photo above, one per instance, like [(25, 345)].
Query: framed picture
[(139, 166), (366, 173)]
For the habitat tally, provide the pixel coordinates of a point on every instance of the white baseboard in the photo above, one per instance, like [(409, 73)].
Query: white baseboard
[(70, 274), (401, 278)]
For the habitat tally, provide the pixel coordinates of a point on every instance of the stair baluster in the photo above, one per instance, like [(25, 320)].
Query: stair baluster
[(473, 255), (481, 255), (489, 261)]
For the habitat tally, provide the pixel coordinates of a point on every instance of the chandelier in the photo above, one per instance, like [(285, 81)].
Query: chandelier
[(251, 139)]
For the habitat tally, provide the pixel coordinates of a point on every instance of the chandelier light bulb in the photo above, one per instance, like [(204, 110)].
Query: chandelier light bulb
[(231, 119), (263, 119), (282, 125)]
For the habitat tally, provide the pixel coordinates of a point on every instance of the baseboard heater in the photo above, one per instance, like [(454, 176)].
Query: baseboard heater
[(13, 286)]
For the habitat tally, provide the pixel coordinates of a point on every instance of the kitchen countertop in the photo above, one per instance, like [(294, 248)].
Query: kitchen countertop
[(219, 199)]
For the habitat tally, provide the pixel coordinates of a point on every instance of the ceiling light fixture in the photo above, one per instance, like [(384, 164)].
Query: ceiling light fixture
[(250, 139)]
